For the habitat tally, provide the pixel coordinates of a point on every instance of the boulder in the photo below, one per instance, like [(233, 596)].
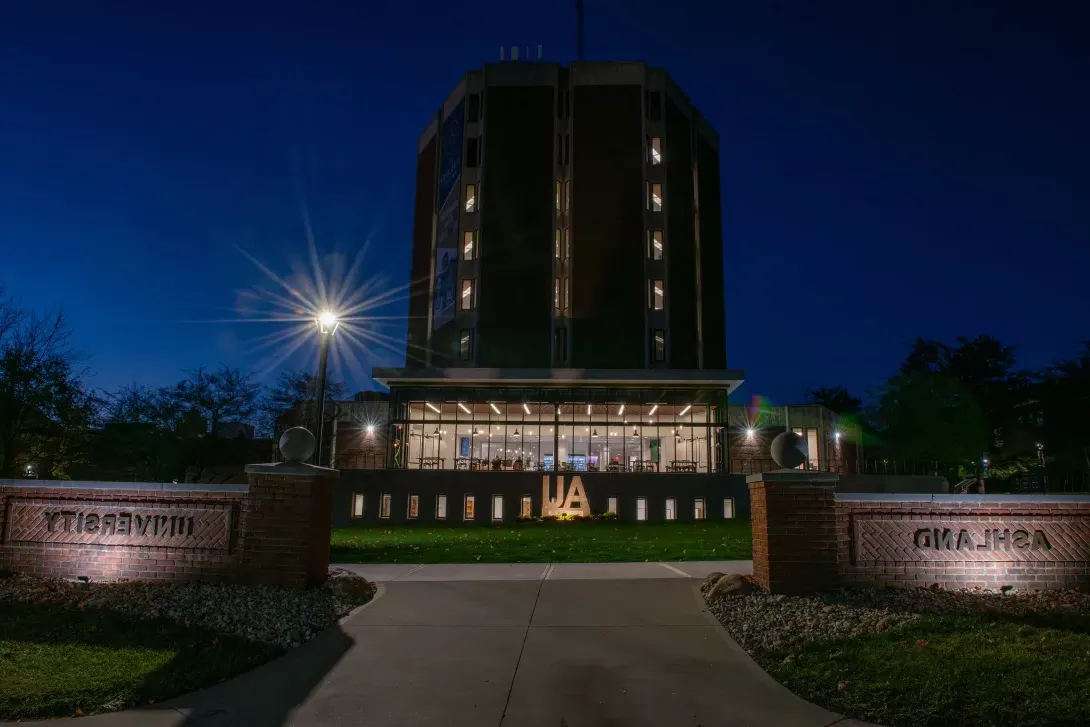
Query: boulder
[(732, 584), (710, 580)]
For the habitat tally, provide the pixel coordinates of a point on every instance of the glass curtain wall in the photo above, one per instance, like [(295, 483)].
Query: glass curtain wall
[(575, 436)]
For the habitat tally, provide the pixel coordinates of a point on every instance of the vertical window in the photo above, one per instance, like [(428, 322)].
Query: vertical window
[(656, 294), (559, 195), (473, 151), (556, 294), (654, 150), (470, 508), (611, 505), (384, 507), (566, 247), (497, 508), (559, 235), (357, 505), (561, 344), (441, 507), (654, 244), (671, 508), (654, 197), (473, 108), (567, 149), (658, 345), (414, 507), (527, 509), (641, 508), (467, 295), (567, 196), (559, 148), (471, 198), (465, 344), (654, 105), (469, 245), (728, 508), (567, 295), (698, 508)]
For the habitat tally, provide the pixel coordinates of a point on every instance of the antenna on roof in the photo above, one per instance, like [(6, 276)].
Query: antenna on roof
[(579, 27)]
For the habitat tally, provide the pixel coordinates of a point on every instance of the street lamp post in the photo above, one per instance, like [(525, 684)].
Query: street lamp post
[(327, 326)]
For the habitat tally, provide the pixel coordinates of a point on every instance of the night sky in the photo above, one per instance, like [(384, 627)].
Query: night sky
[(890, 169)]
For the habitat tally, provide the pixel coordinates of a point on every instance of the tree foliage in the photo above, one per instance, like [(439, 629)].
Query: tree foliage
[(835, 398), (296, 388)]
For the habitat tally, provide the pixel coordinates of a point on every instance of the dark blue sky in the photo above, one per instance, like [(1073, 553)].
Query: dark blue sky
[(891, 170)]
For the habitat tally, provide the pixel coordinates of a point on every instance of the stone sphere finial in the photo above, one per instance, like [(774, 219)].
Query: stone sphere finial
[(788, 450), (297, 444)]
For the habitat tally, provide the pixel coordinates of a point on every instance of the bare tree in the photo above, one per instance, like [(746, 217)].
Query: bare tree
[(222, 395)]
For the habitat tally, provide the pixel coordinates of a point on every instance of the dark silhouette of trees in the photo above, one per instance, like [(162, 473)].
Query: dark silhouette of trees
[(834, 398)]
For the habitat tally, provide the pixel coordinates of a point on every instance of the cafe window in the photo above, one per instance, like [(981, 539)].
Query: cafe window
[(357, 505), (497, 508), (441, 507), (611, 505), (654, 197), (698, 508), (465, 344), (654, 244), (414, 507), (470, 511), (658, 345), (471, 198), (728, 508), (641, 508), (469, 245), (671, 508), (527, 509), (384, 506), (654, 149), (656, 294), (467, 295)]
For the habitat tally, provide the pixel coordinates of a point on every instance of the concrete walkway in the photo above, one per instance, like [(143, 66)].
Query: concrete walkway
[(520, 645)]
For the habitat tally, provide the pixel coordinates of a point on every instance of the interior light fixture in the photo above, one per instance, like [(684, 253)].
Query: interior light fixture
[(464, 408), (685, 410), (494, 407), (515, 433), (655, 408), (433, 407), (621, 410), (586, 429), (436, 432), (588, 410), (594, 433), (525, 408)]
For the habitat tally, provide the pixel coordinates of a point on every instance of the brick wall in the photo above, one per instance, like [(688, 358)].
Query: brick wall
[(807, 538), (892, 561), (277, 531)]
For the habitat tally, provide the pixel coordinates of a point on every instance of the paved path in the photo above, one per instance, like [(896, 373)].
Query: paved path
[(603, 645)]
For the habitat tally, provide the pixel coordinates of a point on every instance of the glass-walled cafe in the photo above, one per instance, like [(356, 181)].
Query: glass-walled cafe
[(544, 430)]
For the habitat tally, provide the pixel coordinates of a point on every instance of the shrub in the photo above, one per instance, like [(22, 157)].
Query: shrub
[(548, 518), (524, 518), (609, 515)]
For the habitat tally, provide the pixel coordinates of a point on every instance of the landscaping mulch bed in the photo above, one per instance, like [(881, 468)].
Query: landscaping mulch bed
[(921, 657), (69, 648)]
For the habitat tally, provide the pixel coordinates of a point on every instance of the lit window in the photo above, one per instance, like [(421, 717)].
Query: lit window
[(655, 148), (469, 245), (567, 295), (658, 345), (441, 507), (612, 505), (357, 505), (671, 508), (556, 294), (728, 508), (497, 508), (384, 507), (567, 244), (654, 244), (656, 295), (467, 295), (414, 506), (698, 508), (559, 196), (558, 237), (465, 344), (470, 508), (654, 197), (641, 508), (471, 198), (527, 506)]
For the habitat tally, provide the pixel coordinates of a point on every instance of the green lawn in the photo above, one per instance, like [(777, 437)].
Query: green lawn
[(535, 542), (952, 670), (55, 660)]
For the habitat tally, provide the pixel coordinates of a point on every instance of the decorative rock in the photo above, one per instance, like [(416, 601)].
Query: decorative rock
[(828, 609), (711, 579), (730, 585), (883, 624)]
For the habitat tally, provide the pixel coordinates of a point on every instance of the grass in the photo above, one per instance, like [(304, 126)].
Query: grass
[(537, 542), (64, 661), (952, 670)]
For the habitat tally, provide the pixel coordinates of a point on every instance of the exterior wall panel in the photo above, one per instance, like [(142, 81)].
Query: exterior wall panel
[(680, 240), (420, 272), (711, 257)]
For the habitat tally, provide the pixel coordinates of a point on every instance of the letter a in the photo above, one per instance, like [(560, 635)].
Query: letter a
[(1040, 542), (576, 492), (965, 541)]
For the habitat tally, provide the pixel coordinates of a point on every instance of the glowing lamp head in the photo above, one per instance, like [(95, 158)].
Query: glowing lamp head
[(328, 322), (836, 435), (749, 433), (370, 429)]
